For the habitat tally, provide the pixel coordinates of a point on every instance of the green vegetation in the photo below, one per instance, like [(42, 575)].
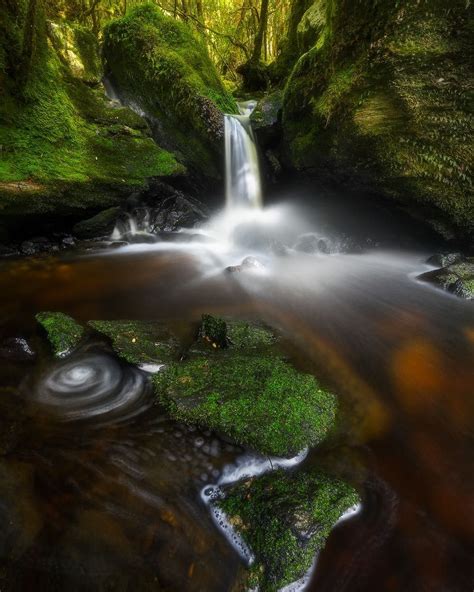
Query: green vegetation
[(139, 342), (64, 333), (144, 51), (59, 135), (381, 98), (286, 518), (261, 402)]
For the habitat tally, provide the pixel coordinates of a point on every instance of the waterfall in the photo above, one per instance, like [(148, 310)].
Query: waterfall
[(242, 172)]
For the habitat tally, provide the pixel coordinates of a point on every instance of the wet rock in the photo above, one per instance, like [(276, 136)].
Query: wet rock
[(246, 390), (139, 342), (100, 225), (285, 518), (456, 278), (247, 263), (312, 243), (6, 251), (17, 349), (444, 259), (266, 119), (33, 246), (63, 332)]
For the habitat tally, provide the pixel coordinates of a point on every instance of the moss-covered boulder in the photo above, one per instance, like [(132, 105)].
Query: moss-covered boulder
[(63, 332), (158, 65), (260, 402), (139, 342), (381, 99), (456, 278), (235, 380), (285, 519), (65, 148)]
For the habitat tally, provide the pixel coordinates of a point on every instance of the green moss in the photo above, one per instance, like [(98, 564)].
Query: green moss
[(261, 402), (286, 518), (139, 342), (144, 51), (60, 136), (382, 99), (250, 336), (63, 332)]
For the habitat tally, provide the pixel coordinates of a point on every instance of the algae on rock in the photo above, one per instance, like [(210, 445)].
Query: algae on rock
[(159, 66), (285, 518)]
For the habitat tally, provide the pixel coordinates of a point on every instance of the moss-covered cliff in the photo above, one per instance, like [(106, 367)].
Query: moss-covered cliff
[(64, 146), (382, 96), (157, 64)]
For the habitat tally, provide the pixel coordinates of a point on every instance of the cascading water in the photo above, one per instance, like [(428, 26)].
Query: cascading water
[(242, 172)]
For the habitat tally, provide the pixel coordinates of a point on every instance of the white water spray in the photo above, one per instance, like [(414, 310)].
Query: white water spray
[(242, 172)]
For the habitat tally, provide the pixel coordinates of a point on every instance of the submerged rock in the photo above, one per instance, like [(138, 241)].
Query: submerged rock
[(456, 278), (63, 332), (285, 519)]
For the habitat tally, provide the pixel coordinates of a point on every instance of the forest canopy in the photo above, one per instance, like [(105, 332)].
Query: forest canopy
[(236, 32)]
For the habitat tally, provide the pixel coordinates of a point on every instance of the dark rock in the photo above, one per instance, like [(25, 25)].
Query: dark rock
[(457, 278), (247, 263), (16, 348), (266, 119), (444, 259), (100, 225), (8, 251), (312, 243)]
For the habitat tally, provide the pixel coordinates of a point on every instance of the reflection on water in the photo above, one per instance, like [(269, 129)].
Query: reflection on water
[(100, 490)]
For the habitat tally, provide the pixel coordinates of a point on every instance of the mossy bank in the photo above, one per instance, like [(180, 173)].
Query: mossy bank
[(161, 67), (381, 97), (65, 148)]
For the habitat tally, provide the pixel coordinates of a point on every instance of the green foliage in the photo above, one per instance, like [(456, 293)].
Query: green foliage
[(261, 402), (63, 332), (138, 342), (286, 518)]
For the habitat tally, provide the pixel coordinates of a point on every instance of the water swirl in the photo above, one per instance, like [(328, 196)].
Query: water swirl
[(93, 386)]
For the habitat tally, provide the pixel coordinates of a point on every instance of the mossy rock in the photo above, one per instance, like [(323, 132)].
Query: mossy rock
[(261, 402), (139, 342), (457, 278), (65, 148), (220, 333), (158, 64), (285, 519), (63, 332), (381, 100)]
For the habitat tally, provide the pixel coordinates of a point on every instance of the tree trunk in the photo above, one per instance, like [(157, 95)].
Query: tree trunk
[(262, 27)]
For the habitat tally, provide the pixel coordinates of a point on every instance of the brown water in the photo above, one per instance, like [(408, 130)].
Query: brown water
[(110, 500)]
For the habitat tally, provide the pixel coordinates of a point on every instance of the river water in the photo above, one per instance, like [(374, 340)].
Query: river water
[(101, 490)]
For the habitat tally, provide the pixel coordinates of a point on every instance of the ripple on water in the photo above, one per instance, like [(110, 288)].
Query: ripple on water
[(93, 387)]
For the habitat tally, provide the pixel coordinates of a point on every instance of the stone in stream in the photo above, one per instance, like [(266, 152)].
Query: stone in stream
[(246, 390), (63, 332), (456, 277), (285, 519)]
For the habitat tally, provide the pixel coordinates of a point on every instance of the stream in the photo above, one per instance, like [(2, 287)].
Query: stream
[(101, 490)]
